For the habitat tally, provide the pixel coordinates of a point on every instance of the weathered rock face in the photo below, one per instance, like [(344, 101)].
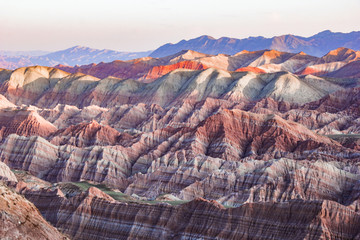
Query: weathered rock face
[(228, 136), (47, 87), (120, 69), (237, 134), (257, 61), (250, 69), (93, 214), (23, 122), (297, 199), (348, 70), (87, 134), (187, 174), (66, 163), (4, 103), (19, 219), (149, 150), (251, 181), (6, 174), (251, 141), (159, 71)]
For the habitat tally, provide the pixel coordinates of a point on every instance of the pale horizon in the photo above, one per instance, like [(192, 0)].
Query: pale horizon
[(142, 25)]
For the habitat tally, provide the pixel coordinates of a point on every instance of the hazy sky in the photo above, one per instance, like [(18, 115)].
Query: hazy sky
[(139, 25)]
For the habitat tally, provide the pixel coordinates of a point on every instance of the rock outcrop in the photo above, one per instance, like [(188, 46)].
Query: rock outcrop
[(4, 103), (93, 214), (23, 122), (186, 150), (6, 175), (159, 71), (297, 199), (148, 69), (46, 87), (20, 219), (169, 156), (87, 134)]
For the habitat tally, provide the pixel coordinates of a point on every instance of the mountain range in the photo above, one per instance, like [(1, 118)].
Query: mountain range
[(341, 62), (316, 45), (205, 153), (261, 144), (77, 55)]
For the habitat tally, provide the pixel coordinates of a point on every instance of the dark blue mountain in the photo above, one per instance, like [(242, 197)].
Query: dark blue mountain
[(317, 45)]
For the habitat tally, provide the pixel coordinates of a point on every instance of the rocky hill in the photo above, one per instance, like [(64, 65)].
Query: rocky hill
[(192, 145), (261, 61), (19, 218)]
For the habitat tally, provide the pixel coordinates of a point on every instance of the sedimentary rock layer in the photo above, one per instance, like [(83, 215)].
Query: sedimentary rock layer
[(20, 219), (93, 214), (261, 61), (47, 87), (253, 140)]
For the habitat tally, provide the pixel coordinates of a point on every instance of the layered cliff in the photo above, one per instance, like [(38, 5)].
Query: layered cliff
[(188, 151), (262, 61), (93, 214), (19, 219), (46, 87), (289, 199), (23, 122)]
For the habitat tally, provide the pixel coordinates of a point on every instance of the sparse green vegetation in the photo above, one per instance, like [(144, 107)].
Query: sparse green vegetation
[(18, 171), (173, 203), (84, 186), (119, 196), (339, 136)]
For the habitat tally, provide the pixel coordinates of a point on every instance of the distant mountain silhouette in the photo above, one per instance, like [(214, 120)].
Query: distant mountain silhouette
[(77, 55), (317, 45)]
